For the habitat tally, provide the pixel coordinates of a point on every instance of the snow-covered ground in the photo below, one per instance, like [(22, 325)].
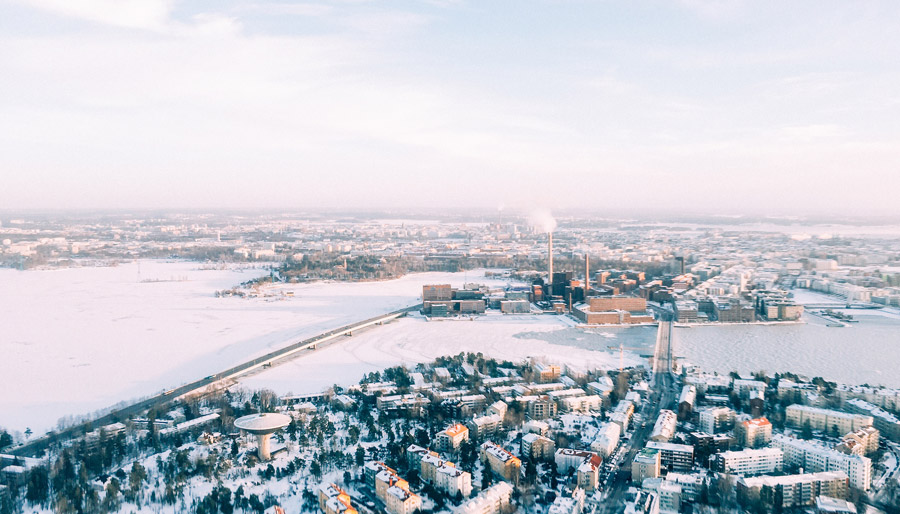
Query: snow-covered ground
[(413, 340), (77, 340)]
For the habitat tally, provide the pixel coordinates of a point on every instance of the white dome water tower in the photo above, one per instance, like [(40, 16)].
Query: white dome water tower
[(262, 426)]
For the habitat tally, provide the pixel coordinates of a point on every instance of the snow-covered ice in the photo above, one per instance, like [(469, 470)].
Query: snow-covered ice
[(864, 352), (412, 340), (81, 339)]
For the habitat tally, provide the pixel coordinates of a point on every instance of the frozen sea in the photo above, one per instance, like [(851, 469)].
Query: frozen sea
[(413, 340), (81, 339), (864, 352)]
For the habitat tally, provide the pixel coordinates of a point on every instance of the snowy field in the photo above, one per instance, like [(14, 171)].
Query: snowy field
[(412, 340), (82, 339)]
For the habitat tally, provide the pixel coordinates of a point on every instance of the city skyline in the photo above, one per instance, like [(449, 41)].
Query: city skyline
[(716, 107)]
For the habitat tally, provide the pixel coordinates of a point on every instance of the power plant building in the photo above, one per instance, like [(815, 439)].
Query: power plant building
[(613, 310)]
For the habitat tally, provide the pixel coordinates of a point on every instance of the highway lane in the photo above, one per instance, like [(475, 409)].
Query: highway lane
[(37, 445)]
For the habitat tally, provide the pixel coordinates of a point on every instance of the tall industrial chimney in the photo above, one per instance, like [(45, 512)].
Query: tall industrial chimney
[(587, 274), (550, 255)]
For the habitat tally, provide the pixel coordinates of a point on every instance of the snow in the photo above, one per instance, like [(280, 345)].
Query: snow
[(864, 352), (413, 340), (83, 339)]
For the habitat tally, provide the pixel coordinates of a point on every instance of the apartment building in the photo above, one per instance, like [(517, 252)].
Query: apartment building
[(607, 439), (886, 423), (503, 463), (715, 419), (493, 500), (485, 426), (568, 459), (536, 427), (546, 373), (334, 500), (862, 442), (449, 439), (686, 402), (794, 490), (568, 504), (664, 428), (392, 490), (587, 474), (826, 420), (452, 480), (646, 464), (400, 500), (542, 407), (814, 458), (749, 462), (743, 387), (537, 447), (443, 474), (584, 403), (674, 457), (753, 433), (691, 484)]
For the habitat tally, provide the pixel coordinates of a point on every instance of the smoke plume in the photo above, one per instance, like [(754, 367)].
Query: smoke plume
[(543, 221)]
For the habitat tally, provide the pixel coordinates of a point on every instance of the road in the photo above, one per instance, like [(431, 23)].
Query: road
[(663, 396), (37, 445)]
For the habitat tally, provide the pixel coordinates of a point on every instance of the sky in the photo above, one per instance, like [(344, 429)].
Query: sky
[(725, 106)]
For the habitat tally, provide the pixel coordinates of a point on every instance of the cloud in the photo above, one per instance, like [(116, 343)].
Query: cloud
[(808, 133), (141, 14), (335, 101)]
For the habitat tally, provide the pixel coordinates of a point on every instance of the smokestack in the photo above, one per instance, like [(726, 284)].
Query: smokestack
[(550, 254), (587, 274)]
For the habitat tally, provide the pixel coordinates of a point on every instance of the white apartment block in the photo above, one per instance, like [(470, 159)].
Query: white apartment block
[(499, 408), (621, 419), (795, 490), (750, 462), (829, 421), (453, 481), (536, 427), (664, 429), (492, 500), (485, 426), (670, 496), (607, 439), (882, 397), (884, 421), (568, 504), (743, 387), (584, 403), (716, 419), (813, 458), (691, 484), (537, 447), (567, 458)]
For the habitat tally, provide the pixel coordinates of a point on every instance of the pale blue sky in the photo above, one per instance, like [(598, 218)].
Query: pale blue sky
[(726, 106)]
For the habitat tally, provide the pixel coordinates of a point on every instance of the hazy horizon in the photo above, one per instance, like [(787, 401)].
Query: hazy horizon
[(693, 106)]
